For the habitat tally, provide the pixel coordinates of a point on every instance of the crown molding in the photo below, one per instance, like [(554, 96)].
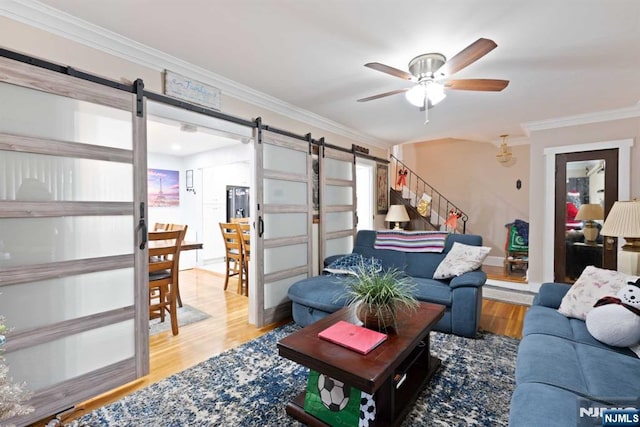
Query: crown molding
[(582, 119), (511, 142), (54, 21)]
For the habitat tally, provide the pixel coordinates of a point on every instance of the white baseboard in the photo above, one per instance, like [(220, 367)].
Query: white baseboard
[(513, 296), (494, 261)]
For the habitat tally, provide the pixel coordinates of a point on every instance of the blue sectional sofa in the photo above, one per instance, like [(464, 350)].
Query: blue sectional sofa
[(561, 366), (316, 297)]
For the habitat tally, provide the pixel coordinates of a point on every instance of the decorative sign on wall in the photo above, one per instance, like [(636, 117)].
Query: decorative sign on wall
[(163, 187), (190, 90)]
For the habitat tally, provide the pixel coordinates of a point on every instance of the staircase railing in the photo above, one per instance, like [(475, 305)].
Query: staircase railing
[(412, 188)]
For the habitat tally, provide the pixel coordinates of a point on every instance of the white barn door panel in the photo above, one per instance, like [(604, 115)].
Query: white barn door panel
[(283, 222)]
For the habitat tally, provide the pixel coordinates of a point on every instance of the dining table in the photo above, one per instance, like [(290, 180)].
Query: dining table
[(186, 245)]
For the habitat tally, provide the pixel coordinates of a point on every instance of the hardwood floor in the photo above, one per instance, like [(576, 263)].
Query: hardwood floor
[(497, 273), (228, 327)]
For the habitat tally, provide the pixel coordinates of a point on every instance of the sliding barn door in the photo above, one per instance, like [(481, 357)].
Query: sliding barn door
[(338, 218), (283, 222), (71, 287)]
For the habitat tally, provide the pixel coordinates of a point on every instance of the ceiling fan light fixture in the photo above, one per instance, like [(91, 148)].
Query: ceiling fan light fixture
[(415, 95), (435, 92)]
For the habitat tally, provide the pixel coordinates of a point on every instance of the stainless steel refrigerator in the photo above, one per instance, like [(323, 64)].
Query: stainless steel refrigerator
[(237, 202)]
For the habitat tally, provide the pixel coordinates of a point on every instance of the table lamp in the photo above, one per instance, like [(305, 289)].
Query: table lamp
[(588, 213), (397, 214), (624, 221)]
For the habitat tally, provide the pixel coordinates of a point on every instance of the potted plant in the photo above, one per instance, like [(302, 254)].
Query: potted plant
[(379, 295)]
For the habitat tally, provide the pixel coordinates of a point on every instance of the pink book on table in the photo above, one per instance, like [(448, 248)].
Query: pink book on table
[(353, 337)]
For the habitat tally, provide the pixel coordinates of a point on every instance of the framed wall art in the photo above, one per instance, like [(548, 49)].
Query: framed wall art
[(382, 188), (163, 187)]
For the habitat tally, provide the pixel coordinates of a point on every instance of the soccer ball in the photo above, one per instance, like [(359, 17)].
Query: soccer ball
[(333, 393), (367, 410)]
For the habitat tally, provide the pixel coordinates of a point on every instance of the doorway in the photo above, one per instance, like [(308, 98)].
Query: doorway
[(213, 154), (364, 190), (586, 186)]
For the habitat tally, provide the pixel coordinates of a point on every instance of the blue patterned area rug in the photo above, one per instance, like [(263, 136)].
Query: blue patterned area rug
[(250, 386)]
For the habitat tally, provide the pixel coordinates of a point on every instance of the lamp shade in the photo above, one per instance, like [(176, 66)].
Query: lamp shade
[(590, 212), (397, 213), (623, 220)]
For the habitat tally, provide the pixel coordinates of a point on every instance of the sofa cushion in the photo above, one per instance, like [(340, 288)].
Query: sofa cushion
[(535, 404), (461, 259), (593, 284), (432, 291), (326, 293), (586, 370), (420, 266), (551, 294), (547, 321), (465, 239)]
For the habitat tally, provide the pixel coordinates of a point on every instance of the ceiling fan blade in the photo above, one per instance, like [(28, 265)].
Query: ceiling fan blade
[(467, 56), (485, 85), (389, 70), (382, 95)]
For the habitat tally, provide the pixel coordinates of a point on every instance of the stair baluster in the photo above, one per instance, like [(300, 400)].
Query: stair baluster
[(440, 208)]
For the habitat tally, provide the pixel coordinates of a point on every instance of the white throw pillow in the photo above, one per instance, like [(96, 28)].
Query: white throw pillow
[(461, 259), (593, 284)]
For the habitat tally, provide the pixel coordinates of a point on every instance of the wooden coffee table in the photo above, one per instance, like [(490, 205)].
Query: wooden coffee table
[(395, 372)]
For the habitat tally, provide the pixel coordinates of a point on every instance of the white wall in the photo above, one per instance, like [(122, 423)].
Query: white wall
[(203, 210), (214, 170)]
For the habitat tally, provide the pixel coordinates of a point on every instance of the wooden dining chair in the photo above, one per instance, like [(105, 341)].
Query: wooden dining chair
[(164, 261), (233, 253), (178, 227), (245, 239), (159, 226)]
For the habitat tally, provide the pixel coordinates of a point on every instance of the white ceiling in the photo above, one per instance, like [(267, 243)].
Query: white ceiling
[(563, 58), (168, 137)]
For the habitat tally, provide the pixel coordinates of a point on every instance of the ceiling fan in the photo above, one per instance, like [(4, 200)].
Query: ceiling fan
[(430, 72)]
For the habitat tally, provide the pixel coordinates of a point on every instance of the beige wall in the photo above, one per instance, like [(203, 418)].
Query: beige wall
[(31, 41), (571, 135), (467, 173)]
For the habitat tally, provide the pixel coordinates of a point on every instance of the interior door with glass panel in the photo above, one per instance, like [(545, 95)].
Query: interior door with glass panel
[(337, 202), (70, 276), (284, 217)]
